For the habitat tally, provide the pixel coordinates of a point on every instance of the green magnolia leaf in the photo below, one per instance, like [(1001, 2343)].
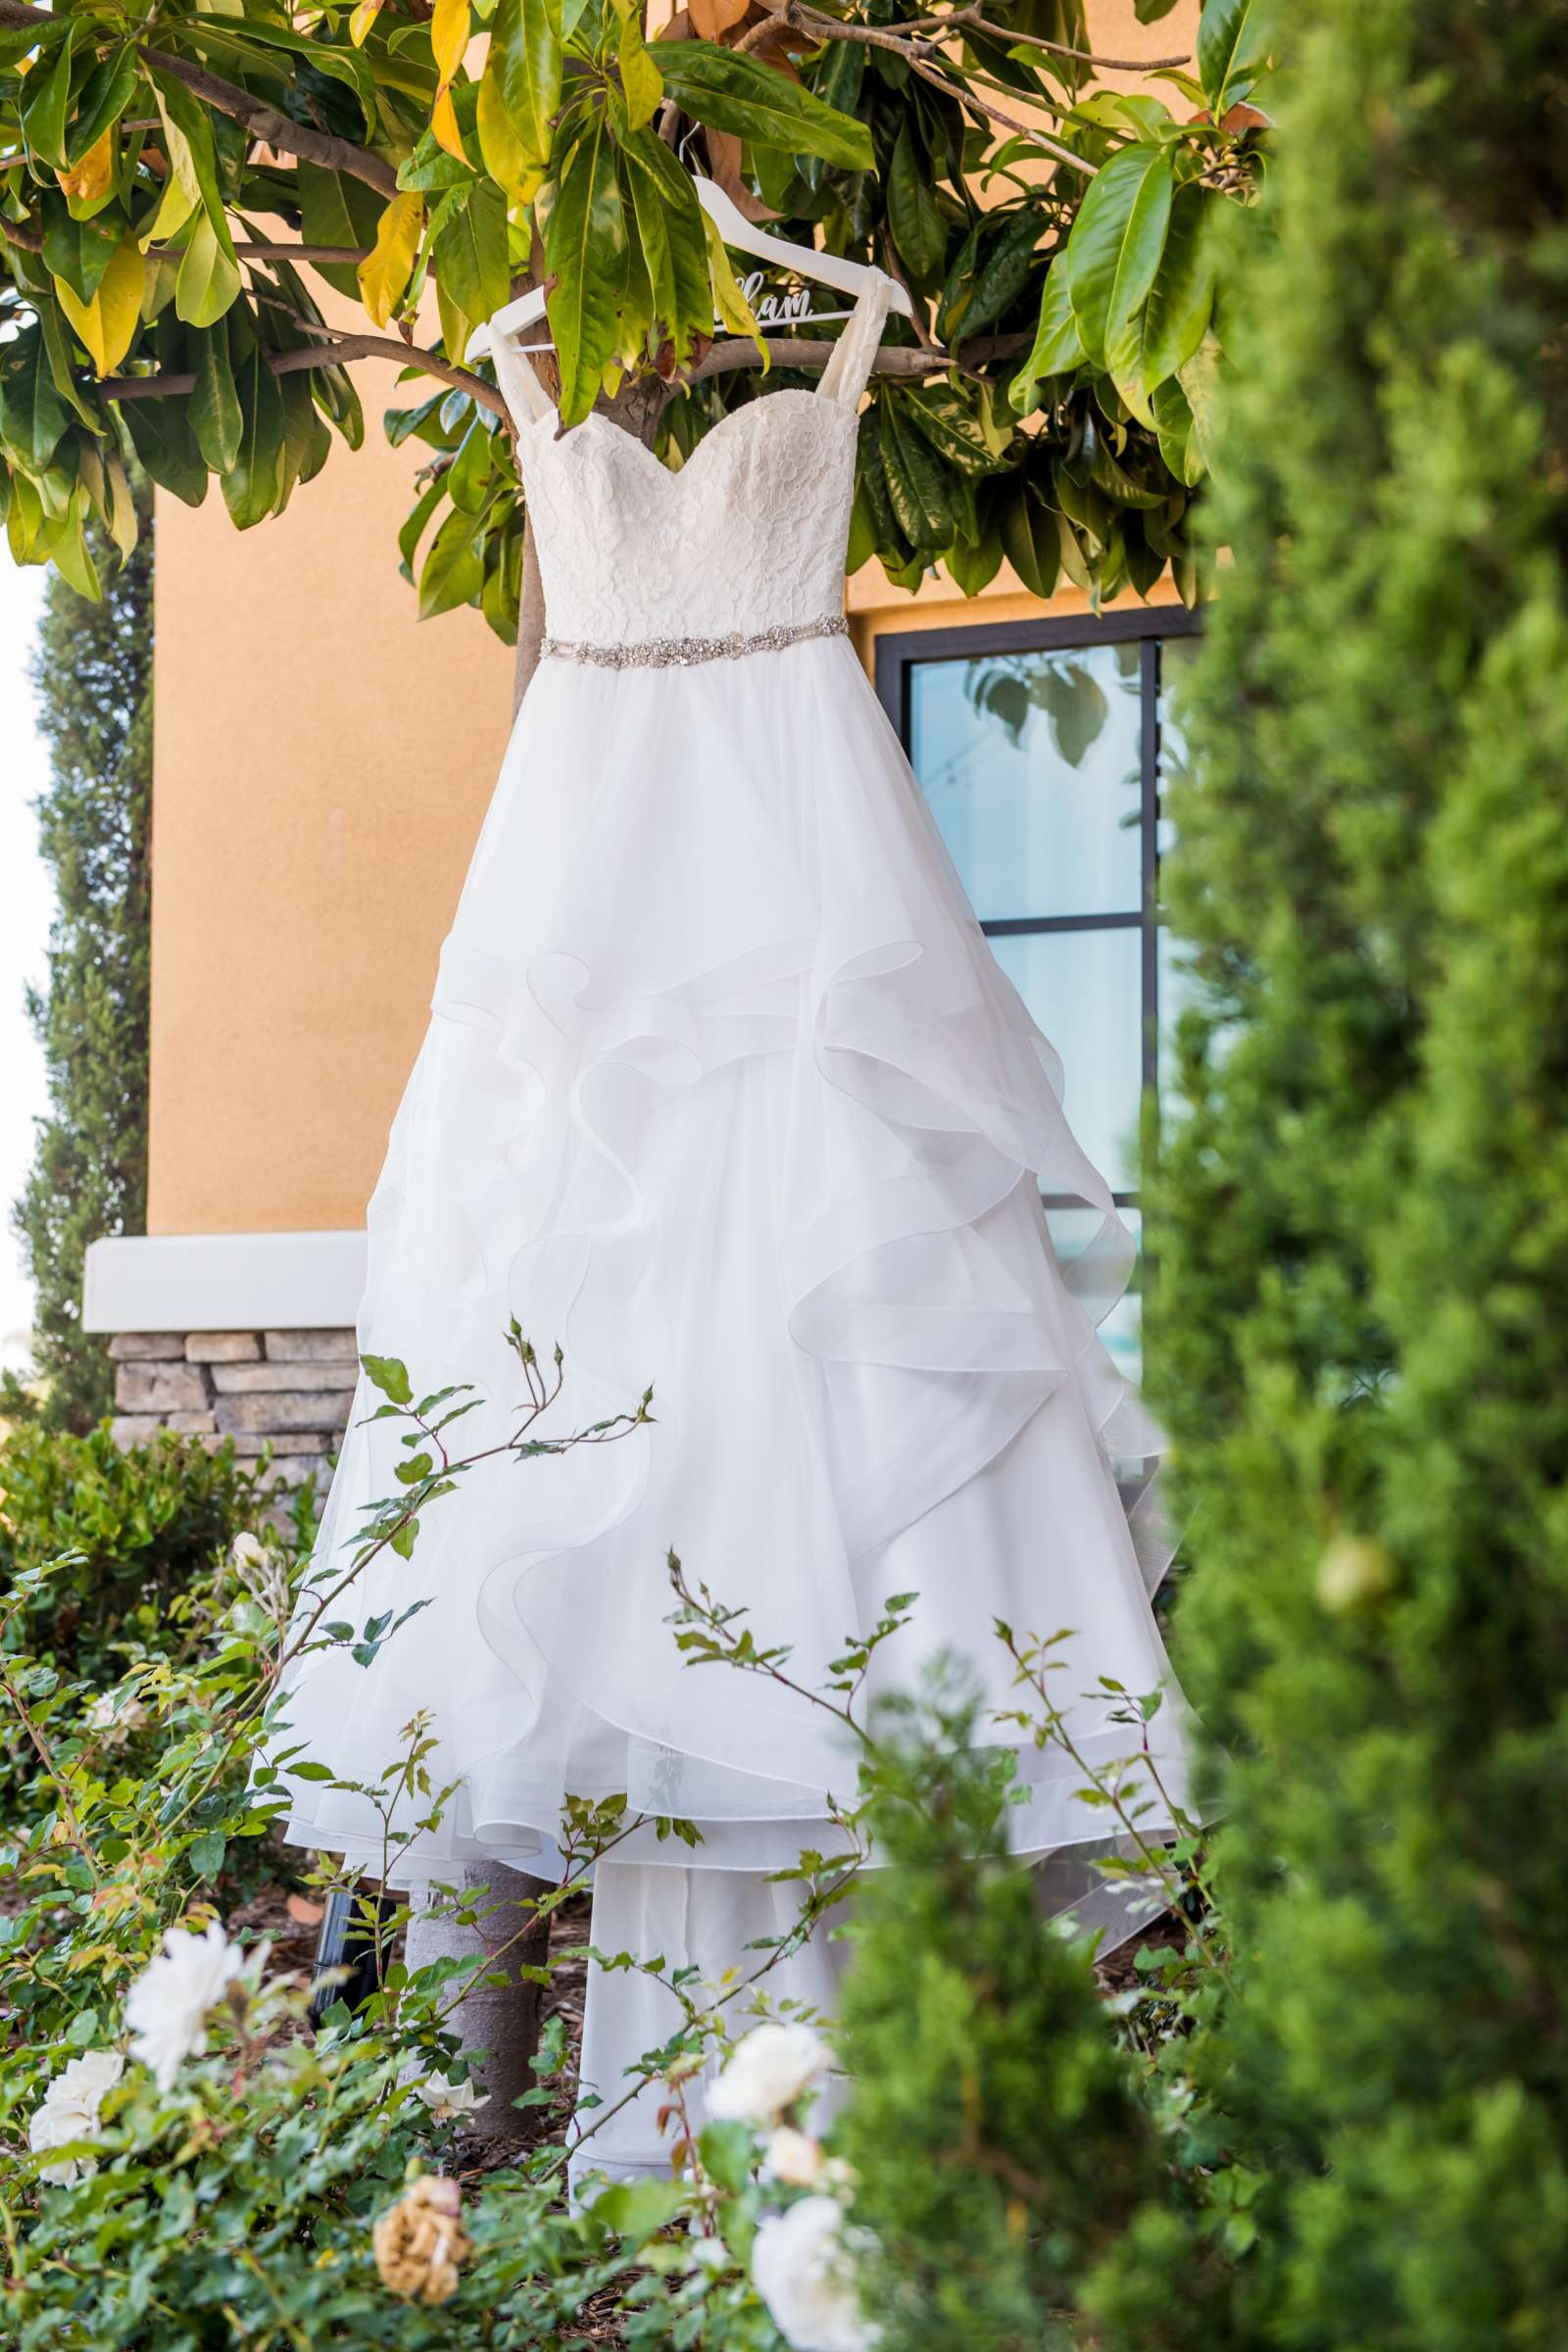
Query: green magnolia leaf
[(1199, 382), (46, 99), (1030, 539), (956, 431), (972, 565), (253, 485), (1182, 297), (104, 98), (68, 552), (1057, 347), (585, 245), (470, 251), (751, 101), (193, 150), (337, 210), (523, 70), (917, 485), (414, 528), (671, 232), (873, 486), (215, 418), (209, 277), (453, 575), (918, 229), (1113, 251), (307, 442), (1150, 12), (32, 415), (470, 478), (165, 447), (840, 76), (1234, 41), (1005, 262), (78, 252)]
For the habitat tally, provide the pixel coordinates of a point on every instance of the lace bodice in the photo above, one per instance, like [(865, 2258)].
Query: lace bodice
[(748, 535)]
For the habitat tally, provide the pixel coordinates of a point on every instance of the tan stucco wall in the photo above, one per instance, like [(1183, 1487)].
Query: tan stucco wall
[(323, 762)]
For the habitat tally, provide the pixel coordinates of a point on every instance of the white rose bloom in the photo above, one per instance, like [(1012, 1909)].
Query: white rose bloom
[(766, 2072), (800, 2268), (795, 2158), (68, 2111), (447, 2101), (259, 1572), (168, 2007), (115, 1720)]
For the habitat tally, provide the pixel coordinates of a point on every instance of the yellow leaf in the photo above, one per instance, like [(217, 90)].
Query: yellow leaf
[(384, 274), (175, 210), (449, 37), (108, 323), (91, 177), (503, 151), (729, 302), (363, 18), (456, 328), (642, 84), (444, 125), (180, 154)]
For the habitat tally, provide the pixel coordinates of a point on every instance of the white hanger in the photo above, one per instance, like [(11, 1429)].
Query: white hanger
[(826, 269)]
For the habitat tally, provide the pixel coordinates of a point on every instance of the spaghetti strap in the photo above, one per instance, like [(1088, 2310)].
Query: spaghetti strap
[(527, 401), (844, 378)]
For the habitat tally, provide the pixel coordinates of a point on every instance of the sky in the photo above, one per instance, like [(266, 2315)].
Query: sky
[(26, 904)]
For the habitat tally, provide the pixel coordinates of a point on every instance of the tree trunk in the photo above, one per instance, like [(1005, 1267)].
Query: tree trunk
[(501, 2020)]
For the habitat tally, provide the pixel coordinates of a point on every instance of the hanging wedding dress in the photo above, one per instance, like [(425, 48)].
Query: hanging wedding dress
[(725, 1093)]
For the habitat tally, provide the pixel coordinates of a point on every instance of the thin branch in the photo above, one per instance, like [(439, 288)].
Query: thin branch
[(983, 105), (173, 384), (273, 130), (349, 254), (385, 347), (1034, 40), (827, 28), (30, 240), (263, 121), (893, 360)]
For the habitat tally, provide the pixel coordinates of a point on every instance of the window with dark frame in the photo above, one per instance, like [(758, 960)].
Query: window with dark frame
[(1041, 746)]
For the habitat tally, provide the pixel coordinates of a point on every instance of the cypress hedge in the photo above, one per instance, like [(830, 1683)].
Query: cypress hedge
[(93, 675), (1360, 1213)]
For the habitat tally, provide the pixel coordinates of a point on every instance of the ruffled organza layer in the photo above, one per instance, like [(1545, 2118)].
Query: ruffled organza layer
[(724, 1093)]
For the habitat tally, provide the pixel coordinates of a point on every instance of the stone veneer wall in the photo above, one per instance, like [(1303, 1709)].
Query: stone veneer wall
[(287, 1390)]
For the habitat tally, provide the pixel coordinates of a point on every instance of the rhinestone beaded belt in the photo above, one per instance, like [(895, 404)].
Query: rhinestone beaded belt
[(675, 652)]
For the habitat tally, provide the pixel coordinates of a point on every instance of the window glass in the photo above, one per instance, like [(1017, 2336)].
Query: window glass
[(1030, 762), (1085, 991)]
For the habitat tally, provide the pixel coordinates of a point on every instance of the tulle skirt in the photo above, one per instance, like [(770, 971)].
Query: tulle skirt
[(725, 1095)]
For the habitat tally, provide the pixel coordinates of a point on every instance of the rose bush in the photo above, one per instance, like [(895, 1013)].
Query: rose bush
[(193, 2165)]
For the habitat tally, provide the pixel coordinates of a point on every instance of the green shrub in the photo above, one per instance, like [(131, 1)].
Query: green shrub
[(1360, 1219), (128, 1527)]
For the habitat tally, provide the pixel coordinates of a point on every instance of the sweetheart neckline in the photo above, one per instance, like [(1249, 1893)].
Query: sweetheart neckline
[(734, 417)]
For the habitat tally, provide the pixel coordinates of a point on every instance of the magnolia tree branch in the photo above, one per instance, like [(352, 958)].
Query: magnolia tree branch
[(263, 121), (178, 383), (730, 358), (906, 42)]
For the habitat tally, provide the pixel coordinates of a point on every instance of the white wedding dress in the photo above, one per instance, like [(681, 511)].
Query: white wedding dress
[(725, 1093)]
